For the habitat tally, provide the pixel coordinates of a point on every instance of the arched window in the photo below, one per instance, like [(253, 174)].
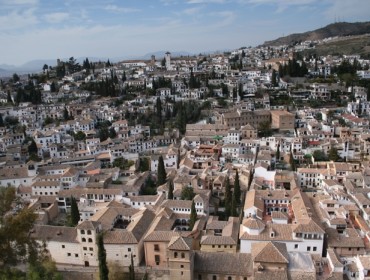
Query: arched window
[(90, 240), (183, 255), (82, 231), (89, 232), (83, 239), (175, 255)]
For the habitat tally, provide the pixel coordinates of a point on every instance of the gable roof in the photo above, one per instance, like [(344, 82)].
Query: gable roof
[(270, 252), (180, 243)]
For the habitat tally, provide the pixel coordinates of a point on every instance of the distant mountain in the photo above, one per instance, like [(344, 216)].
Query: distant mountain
[(331, 30)]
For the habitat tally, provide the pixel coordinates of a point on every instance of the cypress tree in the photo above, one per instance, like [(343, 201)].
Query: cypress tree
[(193, 216), (233, 211), (75, 214), (170, 190), (32, 148), (237, 188), (228, 198), (161, 173), (65, 114), (132, 269), (102, 257)]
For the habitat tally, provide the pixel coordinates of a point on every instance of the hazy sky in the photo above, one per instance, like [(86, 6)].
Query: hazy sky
[(50, 29)]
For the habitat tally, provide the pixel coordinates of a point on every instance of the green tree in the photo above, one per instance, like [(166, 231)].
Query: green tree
[(75, 213), (1, 120), (278, 153), (170, 190), (193, 216), (79, 136), (237, 188), (274, 78), (144, 164), (161, 172), (264, 129), (103, 133), (9, 98), (333, 154), (319, 155), (102, 258), (158, 109), (292, 162), (15, 242), (112, 133), (233, 211), (149, 187), (228, 197), (132, 269), (53, 87), (187, 193), (65, 114), (32, 148), (15, 78)]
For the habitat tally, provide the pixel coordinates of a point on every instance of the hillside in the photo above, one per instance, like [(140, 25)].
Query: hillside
[(331, 30), (343, 46)]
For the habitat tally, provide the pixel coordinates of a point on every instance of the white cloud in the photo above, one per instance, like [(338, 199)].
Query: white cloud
[(18, 2), (116, 9), (56, 17), (192, 11), (225, 18), (282, 5), (206, 1), (17, 20)]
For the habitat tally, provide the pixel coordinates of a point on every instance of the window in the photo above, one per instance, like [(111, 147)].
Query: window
[(175, 255), (76, 255), (295, 246), (308, 248), (68, 254), (229, 278), (89, 232), (129, 249), (314, 249), (83, 239), (156, 247), (82, 231), (157, 259), (91, 249), (85, 248), (182, 266), (90, 240), (63, 246), (214, 277)]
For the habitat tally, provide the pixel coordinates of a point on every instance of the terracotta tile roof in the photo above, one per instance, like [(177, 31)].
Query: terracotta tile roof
[(54, 233), (119, 237), (269, 252), (88, 225), (253, 223), (334, 258), (161, 236), (276, 275), (223, 263), (180, 243), (350, 239)]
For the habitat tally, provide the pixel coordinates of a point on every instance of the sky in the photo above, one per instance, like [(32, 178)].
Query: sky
[(51, 29)]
